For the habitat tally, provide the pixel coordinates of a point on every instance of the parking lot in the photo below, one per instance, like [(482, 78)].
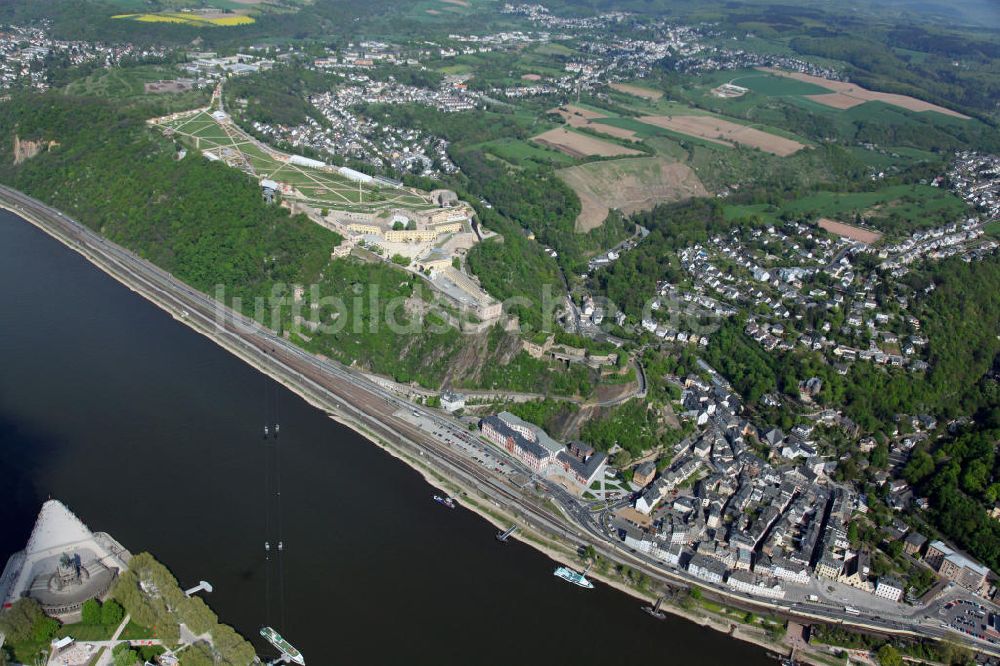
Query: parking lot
[(968, 617), (467, 443)]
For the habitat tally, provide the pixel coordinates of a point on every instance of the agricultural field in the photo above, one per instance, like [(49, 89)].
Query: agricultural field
[(725, 132), (899, 209), (637, 91), (578, 116), (809, 92), (325, 188), (629, 185), (579, 145), (199, 19), (842, 94)]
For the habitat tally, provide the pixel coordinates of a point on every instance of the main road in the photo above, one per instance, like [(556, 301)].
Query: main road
[(425, 437)]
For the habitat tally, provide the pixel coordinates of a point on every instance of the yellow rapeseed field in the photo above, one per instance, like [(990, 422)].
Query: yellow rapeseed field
[(190, 19)]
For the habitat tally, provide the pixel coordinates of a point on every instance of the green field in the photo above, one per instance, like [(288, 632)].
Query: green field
[(318, 187), (554, 49), (127, 86), (518, 152), (896, 209), (777, 86)]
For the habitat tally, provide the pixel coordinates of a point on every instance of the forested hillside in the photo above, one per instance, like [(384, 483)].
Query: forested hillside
[(200, 220)]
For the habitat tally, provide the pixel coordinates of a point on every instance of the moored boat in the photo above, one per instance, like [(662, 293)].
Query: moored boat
[(447, 501), (574, 577), (283, 646)]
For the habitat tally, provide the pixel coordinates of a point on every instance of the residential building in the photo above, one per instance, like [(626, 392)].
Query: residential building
[(956, 567), (889, 588), (643, 474), (707, 568), (451, 401)]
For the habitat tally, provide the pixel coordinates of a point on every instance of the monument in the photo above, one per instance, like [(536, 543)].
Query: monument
[(63, 565)]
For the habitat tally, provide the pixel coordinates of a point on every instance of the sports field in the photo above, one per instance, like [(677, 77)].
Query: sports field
[(224, 141), (851, 231)]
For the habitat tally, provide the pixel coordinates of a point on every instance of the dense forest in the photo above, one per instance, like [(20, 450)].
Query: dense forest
[(200, 220), (959, 478)]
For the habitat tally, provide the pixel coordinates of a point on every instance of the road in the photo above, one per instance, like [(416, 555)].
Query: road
[(426, 437)]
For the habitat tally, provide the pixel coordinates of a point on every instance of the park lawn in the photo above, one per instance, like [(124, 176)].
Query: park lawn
[(321, 187), (135, 632), (119, 82), (127, 86), (993, 228), (86, 632)]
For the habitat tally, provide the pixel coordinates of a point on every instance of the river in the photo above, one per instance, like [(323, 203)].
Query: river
[(150, 432)]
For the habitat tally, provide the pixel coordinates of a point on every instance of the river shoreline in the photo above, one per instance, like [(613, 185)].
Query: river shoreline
[(543, 544)]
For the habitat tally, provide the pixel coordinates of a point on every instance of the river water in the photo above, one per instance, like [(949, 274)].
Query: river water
[(150, 432)]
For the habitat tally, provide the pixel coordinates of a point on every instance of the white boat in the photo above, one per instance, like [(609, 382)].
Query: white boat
[(286, 648), (574, 577)]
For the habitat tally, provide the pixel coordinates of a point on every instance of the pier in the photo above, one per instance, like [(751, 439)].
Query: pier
[(503, 536), (202, 585)]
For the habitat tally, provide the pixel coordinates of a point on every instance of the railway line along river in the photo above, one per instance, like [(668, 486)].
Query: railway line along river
[(154, 434)]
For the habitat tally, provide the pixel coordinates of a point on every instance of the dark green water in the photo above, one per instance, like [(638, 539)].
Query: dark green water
[(152, 433)]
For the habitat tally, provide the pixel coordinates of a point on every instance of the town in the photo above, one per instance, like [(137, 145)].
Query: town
[(698, 307)]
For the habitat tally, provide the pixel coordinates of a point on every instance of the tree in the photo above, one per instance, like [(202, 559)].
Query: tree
[(91, 612), (880, 456), (111, 613), (123, 656), (956, 655), (889, 656)]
